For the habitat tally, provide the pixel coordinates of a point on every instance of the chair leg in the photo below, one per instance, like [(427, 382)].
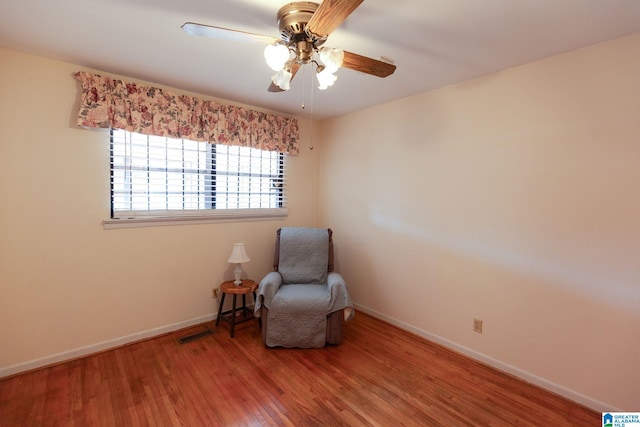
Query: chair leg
[(244, 305), (255, 301), (233, 315)]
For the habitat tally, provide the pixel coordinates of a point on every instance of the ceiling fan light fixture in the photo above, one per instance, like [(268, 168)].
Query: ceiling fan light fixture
[(304, 28), (282, 79), (276, 56), (325, 78), (331, 58)]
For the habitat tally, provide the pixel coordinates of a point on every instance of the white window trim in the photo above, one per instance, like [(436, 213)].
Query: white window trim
[(212, 216)]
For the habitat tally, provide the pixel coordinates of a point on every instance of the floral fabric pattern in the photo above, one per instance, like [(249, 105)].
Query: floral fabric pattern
[(111, 103)]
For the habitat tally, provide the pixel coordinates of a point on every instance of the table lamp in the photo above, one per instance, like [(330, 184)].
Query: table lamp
[(237, 257)]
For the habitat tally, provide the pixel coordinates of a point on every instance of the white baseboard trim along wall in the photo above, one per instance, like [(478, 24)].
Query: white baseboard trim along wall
[(519, 373), (501, 366), (101, 346)]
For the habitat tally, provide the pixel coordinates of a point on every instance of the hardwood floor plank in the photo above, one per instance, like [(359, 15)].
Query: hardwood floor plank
[(378, 376)]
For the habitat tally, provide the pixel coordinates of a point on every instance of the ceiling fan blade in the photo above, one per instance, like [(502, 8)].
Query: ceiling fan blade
[(329, 15), (274, 89), (367, 65), (225, 33), (295, 66)]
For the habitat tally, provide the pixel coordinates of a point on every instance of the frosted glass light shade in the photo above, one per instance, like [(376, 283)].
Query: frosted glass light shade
[(331, 58), (282, 79), (326, 79), (276, 55)]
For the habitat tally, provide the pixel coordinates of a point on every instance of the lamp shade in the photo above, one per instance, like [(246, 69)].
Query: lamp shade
[(238, 254)]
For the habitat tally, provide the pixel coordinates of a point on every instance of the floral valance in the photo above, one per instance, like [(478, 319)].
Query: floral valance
[(111, 103)]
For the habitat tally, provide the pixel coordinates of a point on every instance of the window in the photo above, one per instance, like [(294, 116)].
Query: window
[(154, 176)]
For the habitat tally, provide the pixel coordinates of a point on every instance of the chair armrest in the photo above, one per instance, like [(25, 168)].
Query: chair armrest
[(267, 289), (335, 279), (339, 295)]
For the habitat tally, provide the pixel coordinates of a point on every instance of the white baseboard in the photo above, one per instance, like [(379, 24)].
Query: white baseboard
[(101, 346), (512, 370), (501, 366)]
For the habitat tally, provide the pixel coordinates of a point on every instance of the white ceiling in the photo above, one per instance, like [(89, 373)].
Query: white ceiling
[(433, 43)]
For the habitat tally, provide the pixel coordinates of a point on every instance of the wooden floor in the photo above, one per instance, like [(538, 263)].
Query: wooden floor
[(378, 376)]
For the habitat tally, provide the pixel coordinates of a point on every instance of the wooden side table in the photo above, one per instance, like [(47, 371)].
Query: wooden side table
[(229, 316)]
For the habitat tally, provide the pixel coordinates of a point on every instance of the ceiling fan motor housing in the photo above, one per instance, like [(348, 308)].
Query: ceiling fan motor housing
[(293, 18), (292, 23)]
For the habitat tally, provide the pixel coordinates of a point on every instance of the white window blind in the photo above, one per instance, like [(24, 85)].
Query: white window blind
[(154, 176)]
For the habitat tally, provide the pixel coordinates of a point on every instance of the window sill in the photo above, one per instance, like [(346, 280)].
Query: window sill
[(230, 215)]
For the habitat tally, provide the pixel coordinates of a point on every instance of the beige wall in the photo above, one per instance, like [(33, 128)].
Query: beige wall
[(68, 286), (512, 198)]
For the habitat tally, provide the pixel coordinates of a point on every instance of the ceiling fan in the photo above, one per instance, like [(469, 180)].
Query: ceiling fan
[(304, 28)]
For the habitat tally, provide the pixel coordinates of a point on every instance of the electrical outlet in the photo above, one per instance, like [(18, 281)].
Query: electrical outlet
[(215, 293), (477, 325)]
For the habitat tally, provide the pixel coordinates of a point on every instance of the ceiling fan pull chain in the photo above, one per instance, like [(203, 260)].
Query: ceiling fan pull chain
[(304, 87), (311, 117)]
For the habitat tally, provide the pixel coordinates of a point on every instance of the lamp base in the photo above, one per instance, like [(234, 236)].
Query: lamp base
[(237, 273)]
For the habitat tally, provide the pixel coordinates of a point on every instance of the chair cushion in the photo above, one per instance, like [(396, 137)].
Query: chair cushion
[(304, 254), (302, 298), (298, 316)]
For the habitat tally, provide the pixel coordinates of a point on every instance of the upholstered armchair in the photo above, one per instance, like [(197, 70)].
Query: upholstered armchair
[(303, 302)]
